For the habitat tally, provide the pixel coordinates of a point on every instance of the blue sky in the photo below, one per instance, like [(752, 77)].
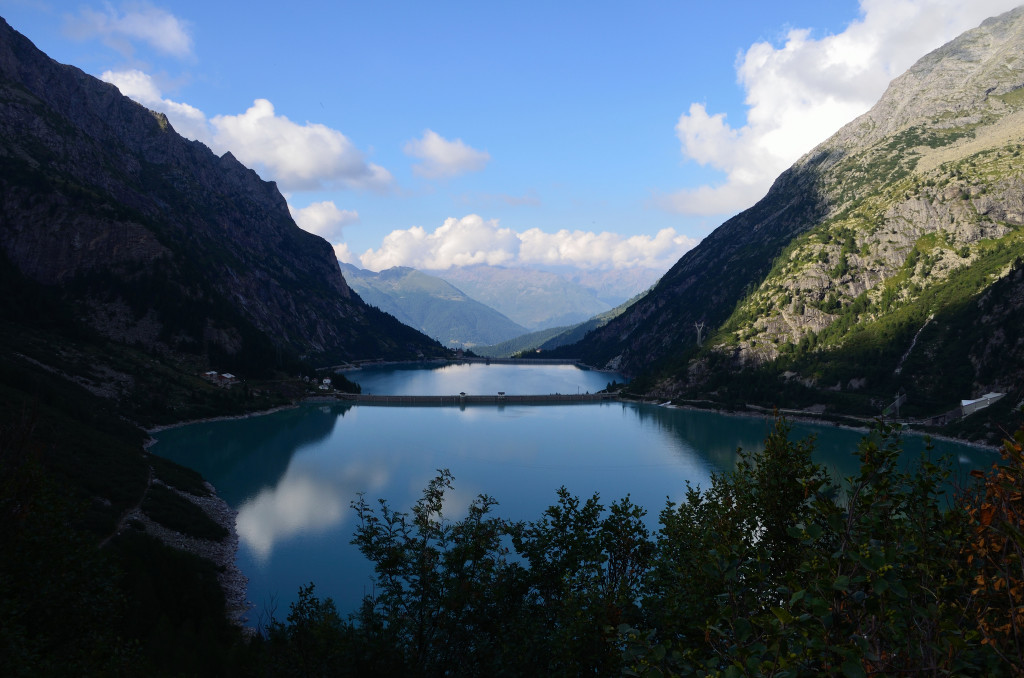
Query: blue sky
[(593, 135)]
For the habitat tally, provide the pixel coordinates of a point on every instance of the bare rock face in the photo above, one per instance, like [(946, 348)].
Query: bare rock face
[(103, 199), (956, 81), (908, 211)]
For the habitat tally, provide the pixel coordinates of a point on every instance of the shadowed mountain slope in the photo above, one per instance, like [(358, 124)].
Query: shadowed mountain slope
[(156, 241)]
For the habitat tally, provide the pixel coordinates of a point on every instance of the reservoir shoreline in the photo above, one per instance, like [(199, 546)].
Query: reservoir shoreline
[(292, 484)]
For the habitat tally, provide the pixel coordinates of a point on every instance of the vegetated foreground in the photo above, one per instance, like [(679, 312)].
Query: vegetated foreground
[(775, 569)]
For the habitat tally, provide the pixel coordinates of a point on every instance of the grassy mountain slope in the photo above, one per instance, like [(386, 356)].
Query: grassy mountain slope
[(898, 227)]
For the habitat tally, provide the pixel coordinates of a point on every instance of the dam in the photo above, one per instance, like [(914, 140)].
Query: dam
[(464, 399)]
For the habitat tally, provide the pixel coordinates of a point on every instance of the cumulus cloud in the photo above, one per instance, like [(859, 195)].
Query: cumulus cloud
[(134, 22), (472, 240), (299, 157), (344, 254), (458, 242), (324, 219), (799, 93), (586, 249), (443, 158)]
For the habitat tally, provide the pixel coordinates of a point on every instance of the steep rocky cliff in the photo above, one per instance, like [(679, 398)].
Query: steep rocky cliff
[(895, 230), (158, 242)]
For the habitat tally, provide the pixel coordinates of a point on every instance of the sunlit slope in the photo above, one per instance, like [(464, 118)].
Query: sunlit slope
[(912, 211)]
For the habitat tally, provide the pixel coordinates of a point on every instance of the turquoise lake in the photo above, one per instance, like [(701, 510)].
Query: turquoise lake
[(293, 474)]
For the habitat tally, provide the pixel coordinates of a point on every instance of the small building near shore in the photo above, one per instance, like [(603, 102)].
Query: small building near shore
[(220, 379)]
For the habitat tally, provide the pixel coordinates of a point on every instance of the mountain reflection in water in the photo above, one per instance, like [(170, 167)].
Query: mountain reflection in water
[(292, 475)]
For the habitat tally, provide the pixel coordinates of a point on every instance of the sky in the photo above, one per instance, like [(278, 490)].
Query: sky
[(591, 135)]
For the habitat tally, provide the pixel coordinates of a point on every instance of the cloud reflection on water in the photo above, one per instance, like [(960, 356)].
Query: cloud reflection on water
[(303, 502)]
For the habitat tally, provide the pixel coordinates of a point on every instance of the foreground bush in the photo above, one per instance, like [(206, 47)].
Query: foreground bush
[(775, 569)]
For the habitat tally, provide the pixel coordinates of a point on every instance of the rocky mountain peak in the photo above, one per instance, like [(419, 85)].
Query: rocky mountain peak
[(954, 82), (890, 229), (155, 235)]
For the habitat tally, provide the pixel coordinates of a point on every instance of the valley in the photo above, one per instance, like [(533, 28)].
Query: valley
[(665, 516)]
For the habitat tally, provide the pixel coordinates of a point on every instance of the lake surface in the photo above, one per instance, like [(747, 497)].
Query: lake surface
[(481, 379), (292, 475)]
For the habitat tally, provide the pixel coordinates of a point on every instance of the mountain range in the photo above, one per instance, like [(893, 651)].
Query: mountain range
[(539, 299), (886, 260), (153, 241), (886, 265), (434, 303), (888, 248)]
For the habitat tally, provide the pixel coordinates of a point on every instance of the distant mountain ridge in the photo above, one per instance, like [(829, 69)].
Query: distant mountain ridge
[(435, 303), (553, 338), (539, 299), (432, 305), (157, 241), (895, 233)]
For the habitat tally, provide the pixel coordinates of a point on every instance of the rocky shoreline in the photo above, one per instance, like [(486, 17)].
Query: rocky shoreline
[(221, 553), (227, 417), (864, 426)]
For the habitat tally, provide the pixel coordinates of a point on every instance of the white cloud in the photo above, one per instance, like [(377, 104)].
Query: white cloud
[(297, 505), (343, 253), (472, 240), (324, 219), (187, 120), (458, 242), (298, 157), (806, 89), (443, 158), (586, 249), (136, 22)]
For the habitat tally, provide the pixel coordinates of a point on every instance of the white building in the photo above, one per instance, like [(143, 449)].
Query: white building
[(972, 406)]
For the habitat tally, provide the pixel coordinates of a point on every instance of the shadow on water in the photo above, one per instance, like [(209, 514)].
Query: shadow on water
[(291, 475), (712, 436), (244, 456), (717, 436)]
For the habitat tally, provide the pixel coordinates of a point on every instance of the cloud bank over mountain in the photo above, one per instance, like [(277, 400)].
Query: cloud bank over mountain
[(298, 157), (799, 86), (324, 219), (800, 92), (473, 240)]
